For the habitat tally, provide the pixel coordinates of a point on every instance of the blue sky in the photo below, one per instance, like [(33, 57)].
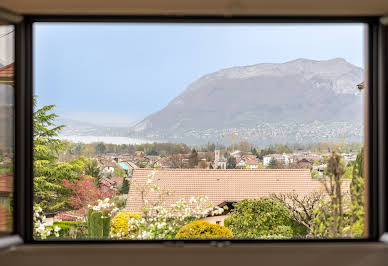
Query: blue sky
[(115, 74)]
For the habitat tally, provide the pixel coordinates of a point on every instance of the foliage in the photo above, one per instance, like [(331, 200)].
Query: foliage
[(202, 164), (125, 186), (46, 142), (121, 223), (119, 172), (84, 191), (99, 218), (92, 169), (49, 192), (71, 229), (231, 163), (264, 218), (314, 173), (41, 230), (244, 146), (274, 164), (193, 159), (357, 197), (340, 216), (330, 219), (301, 208), (98, 224), (100, 148), (203, 230)]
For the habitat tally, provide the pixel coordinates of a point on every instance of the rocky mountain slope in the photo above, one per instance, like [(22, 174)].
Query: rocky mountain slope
[(301, 90)]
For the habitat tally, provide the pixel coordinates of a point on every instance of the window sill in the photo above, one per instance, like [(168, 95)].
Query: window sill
[(289, 254)]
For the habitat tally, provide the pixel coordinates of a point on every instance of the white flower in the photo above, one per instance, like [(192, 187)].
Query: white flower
[(57, 228)]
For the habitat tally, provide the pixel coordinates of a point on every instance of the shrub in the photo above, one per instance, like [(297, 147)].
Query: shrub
[(70, 229), (203, 230), (263, 218), (98, 224), (120, 224)]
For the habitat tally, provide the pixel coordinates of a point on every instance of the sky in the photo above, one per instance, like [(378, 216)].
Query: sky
[(117, 74)]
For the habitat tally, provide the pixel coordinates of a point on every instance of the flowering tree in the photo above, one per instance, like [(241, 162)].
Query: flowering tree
[(41, 230), (84, 192)]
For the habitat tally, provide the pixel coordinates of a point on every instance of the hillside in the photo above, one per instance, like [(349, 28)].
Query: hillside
[(299, 91)]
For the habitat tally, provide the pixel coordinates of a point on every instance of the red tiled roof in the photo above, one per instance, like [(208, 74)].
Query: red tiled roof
[(221, 185), (7, 71)]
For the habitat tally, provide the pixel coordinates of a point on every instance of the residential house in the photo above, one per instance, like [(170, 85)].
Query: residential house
[(304, 163), (252, 164), (230, 185), (152, 159), (108, 184)]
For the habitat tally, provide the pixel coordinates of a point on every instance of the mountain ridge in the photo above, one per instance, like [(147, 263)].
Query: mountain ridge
[(301, 90)]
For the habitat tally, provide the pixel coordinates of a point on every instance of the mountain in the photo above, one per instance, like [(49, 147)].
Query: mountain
[(299, 91)]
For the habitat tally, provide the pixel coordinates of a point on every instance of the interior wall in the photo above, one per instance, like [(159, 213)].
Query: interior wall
[(199, 7)]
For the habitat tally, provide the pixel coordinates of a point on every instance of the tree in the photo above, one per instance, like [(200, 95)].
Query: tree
[(193, 159), (176, 160), (301, 208), (264, 218), (244, 146), (330, 219), (125, 186), (274, 164), (231, 163), (84, 191), (119, 172), (48, 190), (203, 164), (357, 197), (46, 142), (100, 148), (92, 169)]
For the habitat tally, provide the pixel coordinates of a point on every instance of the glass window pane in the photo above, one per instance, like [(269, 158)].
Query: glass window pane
[(237, 131), (6, 128)]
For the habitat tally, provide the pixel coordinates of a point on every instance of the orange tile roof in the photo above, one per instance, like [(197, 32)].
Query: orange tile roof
[(221, 185), (7, 71)]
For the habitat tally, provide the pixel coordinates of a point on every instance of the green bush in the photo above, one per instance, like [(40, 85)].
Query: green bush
[(203, 230), (98, 224), (263, 218), (70, 229), (121, 222)]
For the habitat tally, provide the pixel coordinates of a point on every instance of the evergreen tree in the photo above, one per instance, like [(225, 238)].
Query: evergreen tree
[(49, 192), (273, 164), (231, 163), (357, 196), (125, 186)]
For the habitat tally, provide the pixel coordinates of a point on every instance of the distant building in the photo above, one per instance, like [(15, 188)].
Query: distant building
[(282, 158), (222, 163), (219, 161)]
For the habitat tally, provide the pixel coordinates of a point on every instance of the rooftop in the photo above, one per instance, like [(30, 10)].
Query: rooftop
[(221, 185)]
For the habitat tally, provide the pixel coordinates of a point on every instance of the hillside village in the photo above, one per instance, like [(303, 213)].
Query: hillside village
[(238, 175)]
